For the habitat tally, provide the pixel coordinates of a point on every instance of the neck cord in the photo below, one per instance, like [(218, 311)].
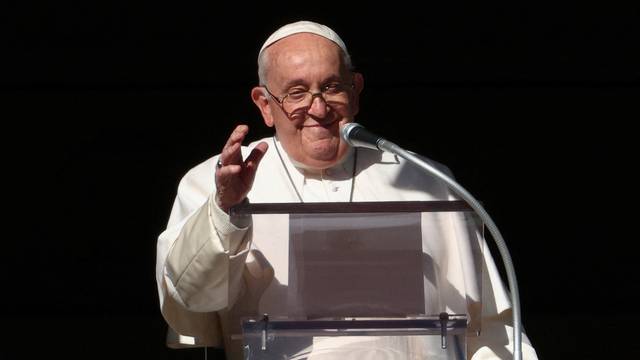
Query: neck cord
[(295, 188)]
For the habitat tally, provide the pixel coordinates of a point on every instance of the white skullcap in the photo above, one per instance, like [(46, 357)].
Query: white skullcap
[(304, 27)]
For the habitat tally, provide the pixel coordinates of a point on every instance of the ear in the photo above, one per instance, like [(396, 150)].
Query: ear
[(262, 102), (358, 81)]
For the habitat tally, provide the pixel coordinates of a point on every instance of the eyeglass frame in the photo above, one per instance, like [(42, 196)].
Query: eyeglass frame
[(280, 102)]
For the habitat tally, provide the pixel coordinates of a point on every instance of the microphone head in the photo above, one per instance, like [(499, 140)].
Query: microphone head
[(347, 130)]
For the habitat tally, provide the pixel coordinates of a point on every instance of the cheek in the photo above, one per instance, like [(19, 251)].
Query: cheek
[(355, 107), (291, 128), (343, 148), (290, 133)]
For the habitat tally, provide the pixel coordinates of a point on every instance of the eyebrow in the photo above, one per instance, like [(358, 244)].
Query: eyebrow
[(294, 82)]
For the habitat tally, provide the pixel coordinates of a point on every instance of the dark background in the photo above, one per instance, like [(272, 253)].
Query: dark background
[(107, 104)]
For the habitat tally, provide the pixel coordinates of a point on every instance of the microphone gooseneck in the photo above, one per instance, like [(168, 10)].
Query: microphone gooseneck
[(356, 135)]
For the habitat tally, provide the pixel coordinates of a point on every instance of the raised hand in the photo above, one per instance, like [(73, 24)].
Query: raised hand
[(234, 177)]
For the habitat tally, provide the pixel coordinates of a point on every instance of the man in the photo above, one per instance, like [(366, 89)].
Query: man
[(213, 268)]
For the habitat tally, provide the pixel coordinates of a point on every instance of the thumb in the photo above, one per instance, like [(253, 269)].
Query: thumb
[(254, 158)]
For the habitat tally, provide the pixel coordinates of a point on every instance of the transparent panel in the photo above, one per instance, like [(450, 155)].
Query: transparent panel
[(355, 265), (338, 264)]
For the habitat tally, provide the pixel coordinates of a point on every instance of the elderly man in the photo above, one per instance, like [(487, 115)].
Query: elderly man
[(213, 268)]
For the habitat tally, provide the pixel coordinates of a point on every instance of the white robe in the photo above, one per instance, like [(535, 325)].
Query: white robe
[(212, 269)]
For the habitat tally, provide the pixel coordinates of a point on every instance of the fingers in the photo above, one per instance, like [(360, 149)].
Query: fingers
[(231, 154), (253, 160), (237, 135), (234, 178), (229, 170), (248, 168)]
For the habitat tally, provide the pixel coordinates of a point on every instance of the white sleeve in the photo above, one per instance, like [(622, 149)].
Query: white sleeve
[(201, 254), (203, 269), (496, 336)]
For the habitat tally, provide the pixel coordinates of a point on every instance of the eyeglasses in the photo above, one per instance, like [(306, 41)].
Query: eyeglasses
[(298, 101)]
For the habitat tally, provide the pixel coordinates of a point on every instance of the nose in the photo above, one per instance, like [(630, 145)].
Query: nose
[(318, 106)]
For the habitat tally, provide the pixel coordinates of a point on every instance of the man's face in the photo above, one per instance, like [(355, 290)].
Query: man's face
[(308, 62)]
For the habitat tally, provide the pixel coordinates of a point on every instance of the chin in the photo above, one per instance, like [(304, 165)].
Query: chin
[(329, 159), (329, 150), (318, 161), (322, 154)]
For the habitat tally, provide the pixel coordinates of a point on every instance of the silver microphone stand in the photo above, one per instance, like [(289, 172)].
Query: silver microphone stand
[(388, 146)]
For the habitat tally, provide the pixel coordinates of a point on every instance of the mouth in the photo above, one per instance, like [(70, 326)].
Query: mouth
[(323, 125)]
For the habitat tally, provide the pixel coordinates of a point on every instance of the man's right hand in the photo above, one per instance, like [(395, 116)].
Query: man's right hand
[(235, 177)]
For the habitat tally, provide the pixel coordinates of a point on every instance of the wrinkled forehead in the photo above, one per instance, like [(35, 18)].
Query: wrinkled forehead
[(303, 56)]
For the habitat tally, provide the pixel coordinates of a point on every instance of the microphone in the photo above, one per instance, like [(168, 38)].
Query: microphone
[(357, 136)]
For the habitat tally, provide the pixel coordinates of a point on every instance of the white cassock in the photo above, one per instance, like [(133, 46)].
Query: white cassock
[(212, 269)]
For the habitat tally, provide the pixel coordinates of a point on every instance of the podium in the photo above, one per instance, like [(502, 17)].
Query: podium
[(401, 279)]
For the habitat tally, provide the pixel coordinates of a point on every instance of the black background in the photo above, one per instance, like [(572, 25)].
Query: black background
[(109, 103)]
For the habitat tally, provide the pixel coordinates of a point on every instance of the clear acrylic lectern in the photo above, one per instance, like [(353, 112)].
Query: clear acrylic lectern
[(396, 278)]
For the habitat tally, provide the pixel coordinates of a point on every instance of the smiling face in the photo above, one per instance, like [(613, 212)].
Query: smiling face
[(308, 62)]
